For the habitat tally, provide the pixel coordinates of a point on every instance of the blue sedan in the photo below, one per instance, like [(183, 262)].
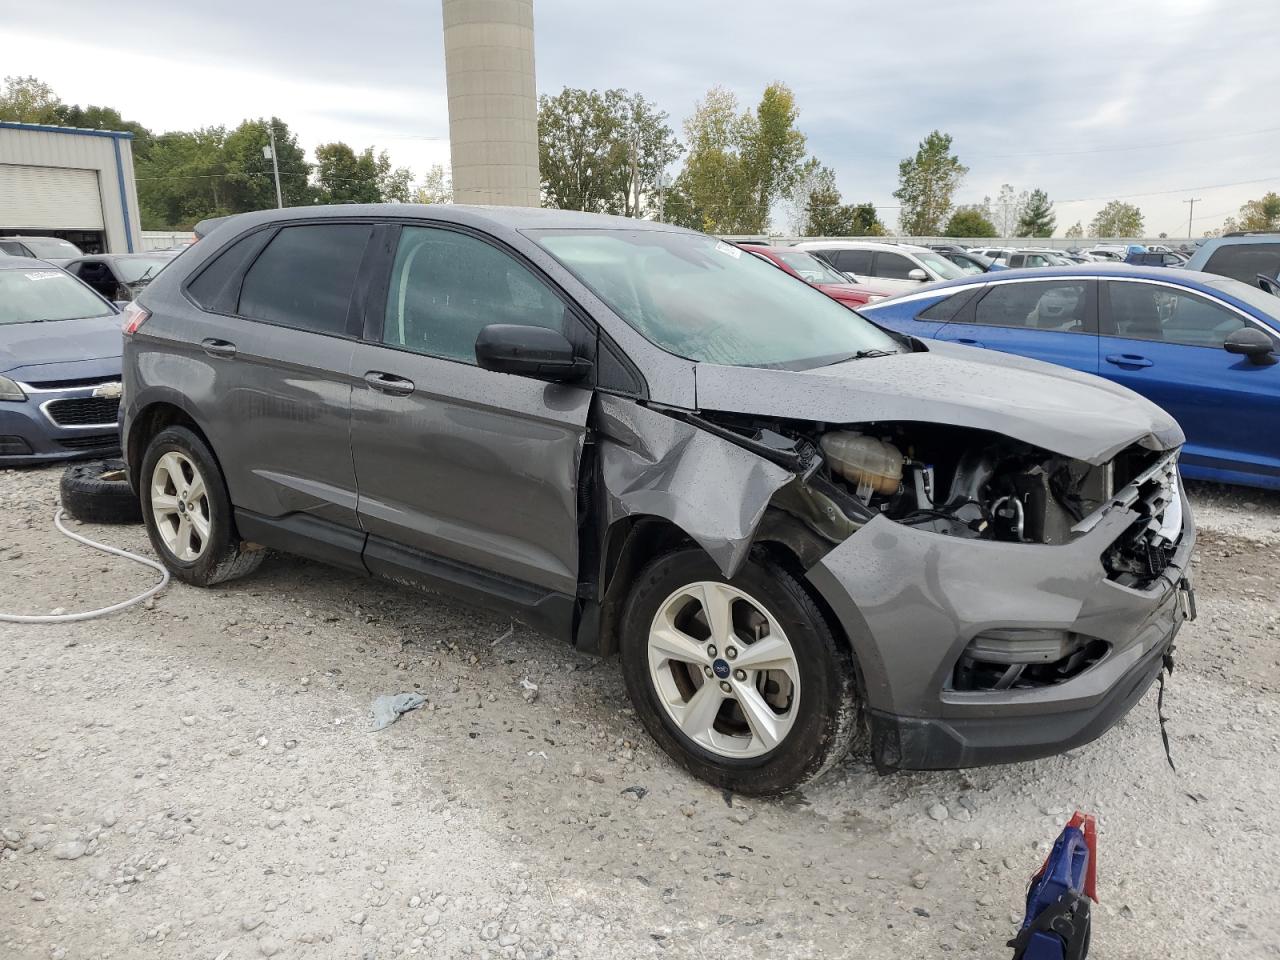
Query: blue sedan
[(1201, 346), (59, 366)]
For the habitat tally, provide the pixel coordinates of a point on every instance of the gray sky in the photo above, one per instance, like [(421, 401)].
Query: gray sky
[(1090, 99)]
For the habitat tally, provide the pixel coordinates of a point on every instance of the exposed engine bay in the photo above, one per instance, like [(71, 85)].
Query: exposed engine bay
[(954, 481)]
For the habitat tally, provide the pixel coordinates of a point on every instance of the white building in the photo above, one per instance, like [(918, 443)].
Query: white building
[(70, 183)]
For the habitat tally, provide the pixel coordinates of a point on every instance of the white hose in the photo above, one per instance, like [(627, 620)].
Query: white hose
[(104, 611)]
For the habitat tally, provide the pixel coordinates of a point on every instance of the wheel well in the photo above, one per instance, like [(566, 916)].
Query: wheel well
[(629, 545), (147, 424)]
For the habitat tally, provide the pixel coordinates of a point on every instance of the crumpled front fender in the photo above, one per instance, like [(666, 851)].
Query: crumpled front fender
[(656, 465)]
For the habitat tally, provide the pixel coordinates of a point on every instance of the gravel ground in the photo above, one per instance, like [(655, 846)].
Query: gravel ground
[(196, 779)]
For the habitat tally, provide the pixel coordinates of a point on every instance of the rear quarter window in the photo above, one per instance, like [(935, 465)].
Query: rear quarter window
[(216, 287), (948, 308), (1245, 261)]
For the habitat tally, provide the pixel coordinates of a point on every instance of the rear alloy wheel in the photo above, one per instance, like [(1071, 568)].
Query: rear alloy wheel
[(180, 506), (741, 680), (188, 513)]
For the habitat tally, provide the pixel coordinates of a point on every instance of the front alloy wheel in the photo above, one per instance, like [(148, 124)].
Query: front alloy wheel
[(724, 669), (739, 679)]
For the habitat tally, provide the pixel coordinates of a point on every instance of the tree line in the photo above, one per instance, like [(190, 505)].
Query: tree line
[(185, 176), (610, 151)]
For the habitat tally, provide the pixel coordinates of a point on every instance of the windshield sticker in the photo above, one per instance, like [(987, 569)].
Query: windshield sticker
[(728, 249), (44, 275)]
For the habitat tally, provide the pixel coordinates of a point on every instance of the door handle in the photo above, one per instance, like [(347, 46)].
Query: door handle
[(969, 342), (388, 383), (1133, 360), (218, 348)]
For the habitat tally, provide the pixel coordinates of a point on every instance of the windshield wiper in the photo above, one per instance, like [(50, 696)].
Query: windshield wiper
[(145, 274)]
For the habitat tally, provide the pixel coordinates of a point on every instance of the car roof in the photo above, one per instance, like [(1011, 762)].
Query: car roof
[(25, 263), (862, 245), (510, 218), (1188, 278)]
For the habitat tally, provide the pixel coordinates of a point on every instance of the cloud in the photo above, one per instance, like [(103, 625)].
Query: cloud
[(1034, 95)]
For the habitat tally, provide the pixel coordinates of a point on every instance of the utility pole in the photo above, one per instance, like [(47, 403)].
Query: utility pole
[(1193, 201), (275, 164), (633, 198)]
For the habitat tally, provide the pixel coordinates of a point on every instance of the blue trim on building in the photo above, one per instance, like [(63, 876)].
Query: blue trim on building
[(124, 195), (79, 131)]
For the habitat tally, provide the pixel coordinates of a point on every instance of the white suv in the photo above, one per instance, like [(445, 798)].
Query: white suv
[(889, 267)]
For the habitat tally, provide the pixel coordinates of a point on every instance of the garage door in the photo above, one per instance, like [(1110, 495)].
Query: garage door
[(49, 198)]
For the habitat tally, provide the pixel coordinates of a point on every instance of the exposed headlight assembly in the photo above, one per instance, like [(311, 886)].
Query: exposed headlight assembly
[(10, 390)]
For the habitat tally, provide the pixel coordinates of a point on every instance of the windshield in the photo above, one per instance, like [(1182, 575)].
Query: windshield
[(1266, 303), (969, 264), (28, 296), (709, 301), (810, 267), (133, 269), (51, 247), (940, 265)]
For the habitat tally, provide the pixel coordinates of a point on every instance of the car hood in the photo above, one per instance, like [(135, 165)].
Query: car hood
[(59, 341), (1068, 413)]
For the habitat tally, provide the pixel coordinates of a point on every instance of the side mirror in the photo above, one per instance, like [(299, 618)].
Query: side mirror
[(530, 352), (1252, 343), (915, 273)]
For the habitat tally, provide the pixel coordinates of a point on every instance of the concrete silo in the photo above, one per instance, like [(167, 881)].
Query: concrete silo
[(493, 104)]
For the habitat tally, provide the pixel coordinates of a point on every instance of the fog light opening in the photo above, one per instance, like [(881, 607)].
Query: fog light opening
[(1023, 659)]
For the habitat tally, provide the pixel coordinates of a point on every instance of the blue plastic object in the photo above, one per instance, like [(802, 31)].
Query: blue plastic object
[(1057, 925)]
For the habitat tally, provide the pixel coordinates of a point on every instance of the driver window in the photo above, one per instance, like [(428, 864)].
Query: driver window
[(1149, 311), (448, 286)]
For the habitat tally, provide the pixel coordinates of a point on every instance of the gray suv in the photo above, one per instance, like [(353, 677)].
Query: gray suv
[(789, 523)]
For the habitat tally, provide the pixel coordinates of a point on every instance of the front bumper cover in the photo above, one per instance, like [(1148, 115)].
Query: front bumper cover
[(910, 601)]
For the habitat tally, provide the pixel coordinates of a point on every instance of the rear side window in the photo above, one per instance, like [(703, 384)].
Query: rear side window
[(1245, 261), (849, 261), (893, 266), (305, 277), (1044, 305)]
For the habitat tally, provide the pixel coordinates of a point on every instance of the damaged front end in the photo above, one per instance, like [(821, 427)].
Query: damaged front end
[(976, 576)]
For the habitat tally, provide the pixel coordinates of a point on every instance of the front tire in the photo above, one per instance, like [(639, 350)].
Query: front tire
[(740, 680), (188, 512)]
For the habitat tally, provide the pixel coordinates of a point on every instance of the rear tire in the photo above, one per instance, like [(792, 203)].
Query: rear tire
[(779, 723), (188, 512)]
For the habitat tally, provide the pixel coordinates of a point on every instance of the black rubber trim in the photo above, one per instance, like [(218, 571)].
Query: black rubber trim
[(546, 611), (914, 743), (305, 536)]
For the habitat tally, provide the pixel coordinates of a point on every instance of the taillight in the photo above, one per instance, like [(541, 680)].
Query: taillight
[(134, 317)]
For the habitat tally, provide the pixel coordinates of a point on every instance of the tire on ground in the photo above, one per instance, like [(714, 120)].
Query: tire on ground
[(225, 556), (827, 718), (98, 491)]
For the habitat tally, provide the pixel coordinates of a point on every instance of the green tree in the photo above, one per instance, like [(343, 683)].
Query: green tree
[(713, 190), (249, 181), (437, 187), (969, 221), (825, 215), (1075, 231), (651, 147), (927, 183), (180, 180), (395, 184), (344, 176), (581, 150), (771, 152), (28, 100), (1037, 218), (1262, 214), (739, 164), (1117, 219)]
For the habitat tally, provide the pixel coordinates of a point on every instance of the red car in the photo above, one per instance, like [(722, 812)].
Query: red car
[(818, 273)]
